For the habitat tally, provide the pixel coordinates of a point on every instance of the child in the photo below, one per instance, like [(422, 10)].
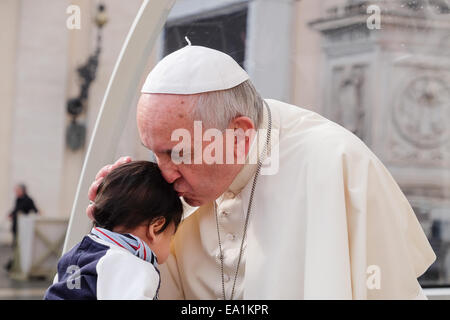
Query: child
[(136, 214)]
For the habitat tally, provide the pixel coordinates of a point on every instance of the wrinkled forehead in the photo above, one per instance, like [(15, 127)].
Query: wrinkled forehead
[(159, 115)]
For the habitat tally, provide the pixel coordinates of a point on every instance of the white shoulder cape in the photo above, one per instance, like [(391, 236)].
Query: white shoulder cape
[(331, 219)]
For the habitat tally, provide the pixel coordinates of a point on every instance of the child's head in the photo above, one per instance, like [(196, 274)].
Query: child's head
[(134, 198)]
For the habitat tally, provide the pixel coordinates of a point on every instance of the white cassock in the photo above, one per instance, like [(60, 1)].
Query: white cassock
[(330, 220)]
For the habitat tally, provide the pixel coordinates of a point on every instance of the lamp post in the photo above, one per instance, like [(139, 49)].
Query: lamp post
[(76, 132)]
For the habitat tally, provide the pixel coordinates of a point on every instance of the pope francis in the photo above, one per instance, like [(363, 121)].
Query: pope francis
[(315, 216)]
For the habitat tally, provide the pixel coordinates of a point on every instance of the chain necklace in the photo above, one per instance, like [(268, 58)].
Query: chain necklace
[(249, 208)]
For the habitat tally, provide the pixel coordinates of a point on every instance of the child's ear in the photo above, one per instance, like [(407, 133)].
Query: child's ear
[(154, 229)]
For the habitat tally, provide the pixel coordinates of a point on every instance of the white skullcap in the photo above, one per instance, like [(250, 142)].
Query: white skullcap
[(194, 69)]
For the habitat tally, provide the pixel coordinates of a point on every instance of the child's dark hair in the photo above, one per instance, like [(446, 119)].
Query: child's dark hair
[(134, 193)]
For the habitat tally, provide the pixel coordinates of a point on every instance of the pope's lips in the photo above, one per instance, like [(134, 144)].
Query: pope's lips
[(180, 193)]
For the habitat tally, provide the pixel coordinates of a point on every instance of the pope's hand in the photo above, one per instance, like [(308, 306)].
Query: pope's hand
[(92, 193)]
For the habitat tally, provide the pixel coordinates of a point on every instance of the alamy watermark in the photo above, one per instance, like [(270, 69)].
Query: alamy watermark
[(373, 281), (374, 20), (74, 20), (230, 151), (74, 279)]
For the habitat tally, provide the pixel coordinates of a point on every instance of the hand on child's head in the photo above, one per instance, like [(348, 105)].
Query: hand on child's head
[(92, 193)]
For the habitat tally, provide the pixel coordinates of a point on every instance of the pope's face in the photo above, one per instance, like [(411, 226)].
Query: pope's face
[(158, 116)]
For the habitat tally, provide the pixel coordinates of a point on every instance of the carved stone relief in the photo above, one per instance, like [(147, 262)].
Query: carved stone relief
[(422, 113), (347, 98), (421, 122)]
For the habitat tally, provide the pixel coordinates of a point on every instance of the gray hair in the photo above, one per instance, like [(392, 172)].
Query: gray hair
[(217, 108)]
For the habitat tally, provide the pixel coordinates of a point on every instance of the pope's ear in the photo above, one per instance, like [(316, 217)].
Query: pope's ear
[(244, 123), (244, 131), (154, 228)]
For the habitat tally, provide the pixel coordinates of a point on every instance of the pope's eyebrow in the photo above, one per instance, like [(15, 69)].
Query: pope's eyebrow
[(164, 151)]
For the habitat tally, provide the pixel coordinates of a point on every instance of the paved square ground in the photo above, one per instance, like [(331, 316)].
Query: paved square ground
[(11, 289)]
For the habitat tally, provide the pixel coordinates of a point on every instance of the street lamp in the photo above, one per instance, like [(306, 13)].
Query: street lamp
[(76, 132)]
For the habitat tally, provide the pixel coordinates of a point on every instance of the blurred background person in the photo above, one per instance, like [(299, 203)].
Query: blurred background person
[(24, 204)]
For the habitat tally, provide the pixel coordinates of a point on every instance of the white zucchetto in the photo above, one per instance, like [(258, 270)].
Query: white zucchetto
[(194, 69)]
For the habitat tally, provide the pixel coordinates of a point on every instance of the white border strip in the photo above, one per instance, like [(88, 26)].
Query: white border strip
[(437, 293)]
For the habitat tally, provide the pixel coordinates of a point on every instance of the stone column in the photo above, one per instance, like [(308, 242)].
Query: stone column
[(37, 143), (9, 14), (80, 46), (269, 47)]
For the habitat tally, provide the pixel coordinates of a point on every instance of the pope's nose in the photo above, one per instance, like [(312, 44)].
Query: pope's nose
[(169, 172)]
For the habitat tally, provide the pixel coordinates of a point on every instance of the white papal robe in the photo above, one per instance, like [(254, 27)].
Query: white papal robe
[(330, 220)]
